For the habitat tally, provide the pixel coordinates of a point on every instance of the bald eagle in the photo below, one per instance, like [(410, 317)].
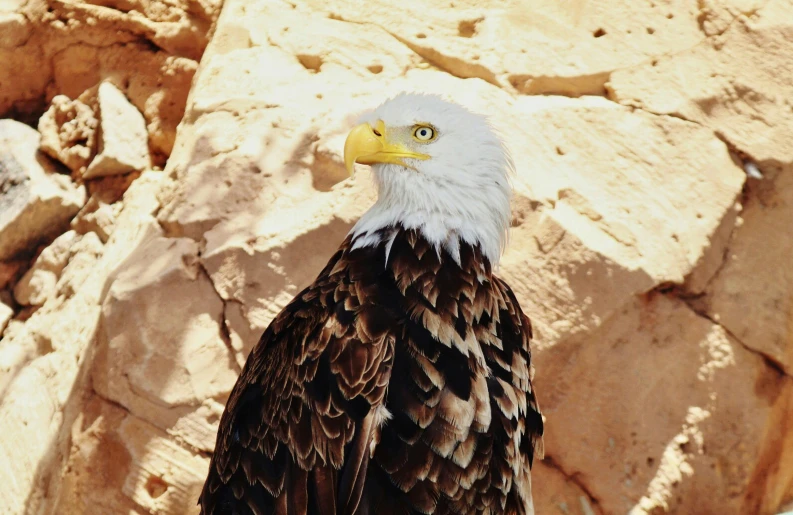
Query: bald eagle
[(399, 381)]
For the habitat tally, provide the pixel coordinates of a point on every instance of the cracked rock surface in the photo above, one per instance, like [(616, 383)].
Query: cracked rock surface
[(650, 238), (148, 48)]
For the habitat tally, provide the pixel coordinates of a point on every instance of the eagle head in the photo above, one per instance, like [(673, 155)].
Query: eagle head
[(439, 168)]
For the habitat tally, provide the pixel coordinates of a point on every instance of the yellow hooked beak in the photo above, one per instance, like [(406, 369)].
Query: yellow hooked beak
[(369, 145)]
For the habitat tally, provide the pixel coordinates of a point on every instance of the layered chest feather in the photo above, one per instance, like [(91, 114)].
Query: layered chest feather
[(456, 397)]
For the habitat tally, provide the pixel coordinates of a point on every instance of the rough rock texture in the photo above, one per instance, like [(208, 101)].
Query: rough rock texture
[(6, 313), (158, 372), (45, 359), (751, 297), (68, 132), (35, 200), (97, 216), (123, 141), (656, 273), (731, 81), (660, 450), (148, 48), (53, 52), (39, 282)]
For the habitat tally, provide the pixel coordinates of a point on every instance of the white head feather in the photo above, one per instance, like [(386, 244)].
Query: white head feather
[(462, 193)]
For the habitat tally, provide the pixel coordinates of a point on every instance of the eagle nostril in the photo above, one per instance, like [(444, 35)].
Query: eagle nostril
[(376, 132)]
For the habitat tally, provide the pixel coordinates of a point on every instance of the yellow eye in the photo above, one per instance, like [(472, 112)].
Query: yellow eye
[(423, 133)]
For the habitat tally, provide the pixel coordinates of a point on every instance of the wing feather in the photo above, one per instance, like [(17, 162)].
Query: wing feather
[(294, 438)]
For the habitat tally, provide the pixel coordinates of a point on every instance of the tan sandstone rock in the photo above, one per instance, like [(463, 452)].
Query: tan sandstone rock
[(149, 49), (123, 464), (35, 200), (6, 313), (97, 216), (533, 47), (68, 132), (731, 82), (752, 296), (166, 375), (44, 361), (603, 237), (39, 282), (123, 141), (14, 29), (560, 493), (683, 419)]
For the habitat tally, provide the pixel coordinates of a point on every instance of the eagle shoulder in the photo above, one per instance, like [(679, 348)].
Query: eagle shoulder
[(294, 436)]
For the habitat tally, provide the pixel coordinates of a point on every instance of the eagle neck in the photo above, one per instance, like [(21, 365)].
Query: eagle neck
[(402, 247), (447, 213)]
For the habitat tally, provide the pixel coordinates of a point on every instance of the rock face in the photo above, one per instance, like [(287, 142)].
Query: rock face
[(751, 297), (124, 143), (654, 264), (149, 49), (6, 313), (35, 199), (39, 282), (68, 132), (45, 358)]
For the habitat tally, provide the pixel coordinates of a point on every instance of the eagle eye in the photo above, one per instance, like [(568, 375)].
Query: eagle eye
[(423, 133)]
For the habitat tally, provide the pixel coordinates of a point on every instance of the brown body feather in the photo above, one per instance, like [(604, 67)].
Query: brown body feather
[(399, 386)]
